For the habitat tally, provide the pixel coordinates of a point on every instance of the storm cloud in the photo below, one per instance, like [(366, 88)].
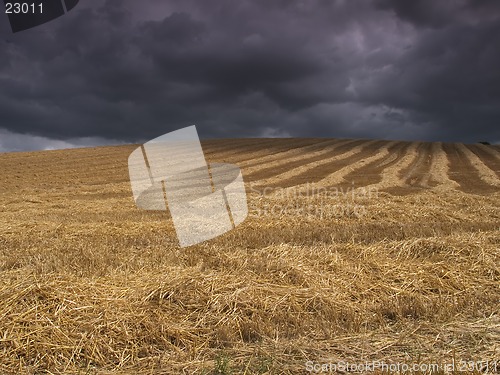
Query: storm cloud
[(127, 71)]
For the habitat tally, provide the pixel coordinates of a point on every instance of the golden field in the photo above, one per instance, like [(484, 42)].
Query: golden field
[(353, 251)]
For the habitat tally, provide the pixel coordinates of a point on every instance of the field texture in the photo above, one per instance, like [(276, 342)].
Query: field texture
[(353, 251)]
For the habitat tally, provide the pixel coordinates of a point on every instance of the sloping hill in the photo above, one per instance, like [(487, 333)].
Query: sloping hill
[(354, 251)]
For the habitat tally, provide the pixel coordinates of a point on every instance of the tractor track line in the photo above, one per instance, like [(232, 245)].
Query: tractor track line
[(418, 173), (286, 165), (321, 176), (220, 148), (485, 173), (487, 158), (463, 172), (238, 150), (440, 169), (412, 174), (378, 151), (312, 171), (372, 173), (252, 157), (270, 161)]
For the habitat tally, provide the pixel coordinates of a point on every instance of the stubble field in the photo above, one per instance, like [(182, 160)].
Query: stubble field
[(353, 251)]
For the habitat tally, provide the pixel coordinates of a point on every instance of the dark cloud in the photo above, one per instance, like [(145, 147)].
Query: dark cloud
[(422, 12), (129, 71)]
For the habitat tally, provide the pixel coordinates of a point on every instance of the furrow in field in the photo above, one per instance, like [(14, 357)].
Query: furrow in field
[(377, 151), (490, 158), (308, 170), (464, 173), (270, 165), (374, 172), (291, 154), (274, 159), (415, 175), (275, 147), (61, 159), (221, 147), (391, 174), (261, 171), (320, 176), (215, 146), (440, 169), (246, 147), (49, 169), (211, 144), (486, 174), (490, 149), (418, 173)]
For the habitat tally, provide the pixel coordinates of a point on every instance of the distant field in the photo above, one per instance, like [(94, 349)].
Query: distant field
[(353, 251)]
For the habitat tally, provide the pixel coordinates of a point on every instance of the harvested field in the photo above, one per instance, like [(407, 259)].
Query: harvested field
[(417, 173), (413, 172), (488, 156), (465, 173), (371, 173), (353, 251), (258, 169), (303, 162), (341, 161)]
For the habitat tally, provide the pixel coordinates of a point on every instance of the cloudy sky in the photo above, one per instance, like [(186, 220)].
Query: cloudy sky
[(113, 71)]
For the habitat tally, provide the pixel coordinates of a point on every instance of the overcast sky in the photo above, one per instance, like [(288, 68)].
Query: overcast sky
[(127, 71)]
